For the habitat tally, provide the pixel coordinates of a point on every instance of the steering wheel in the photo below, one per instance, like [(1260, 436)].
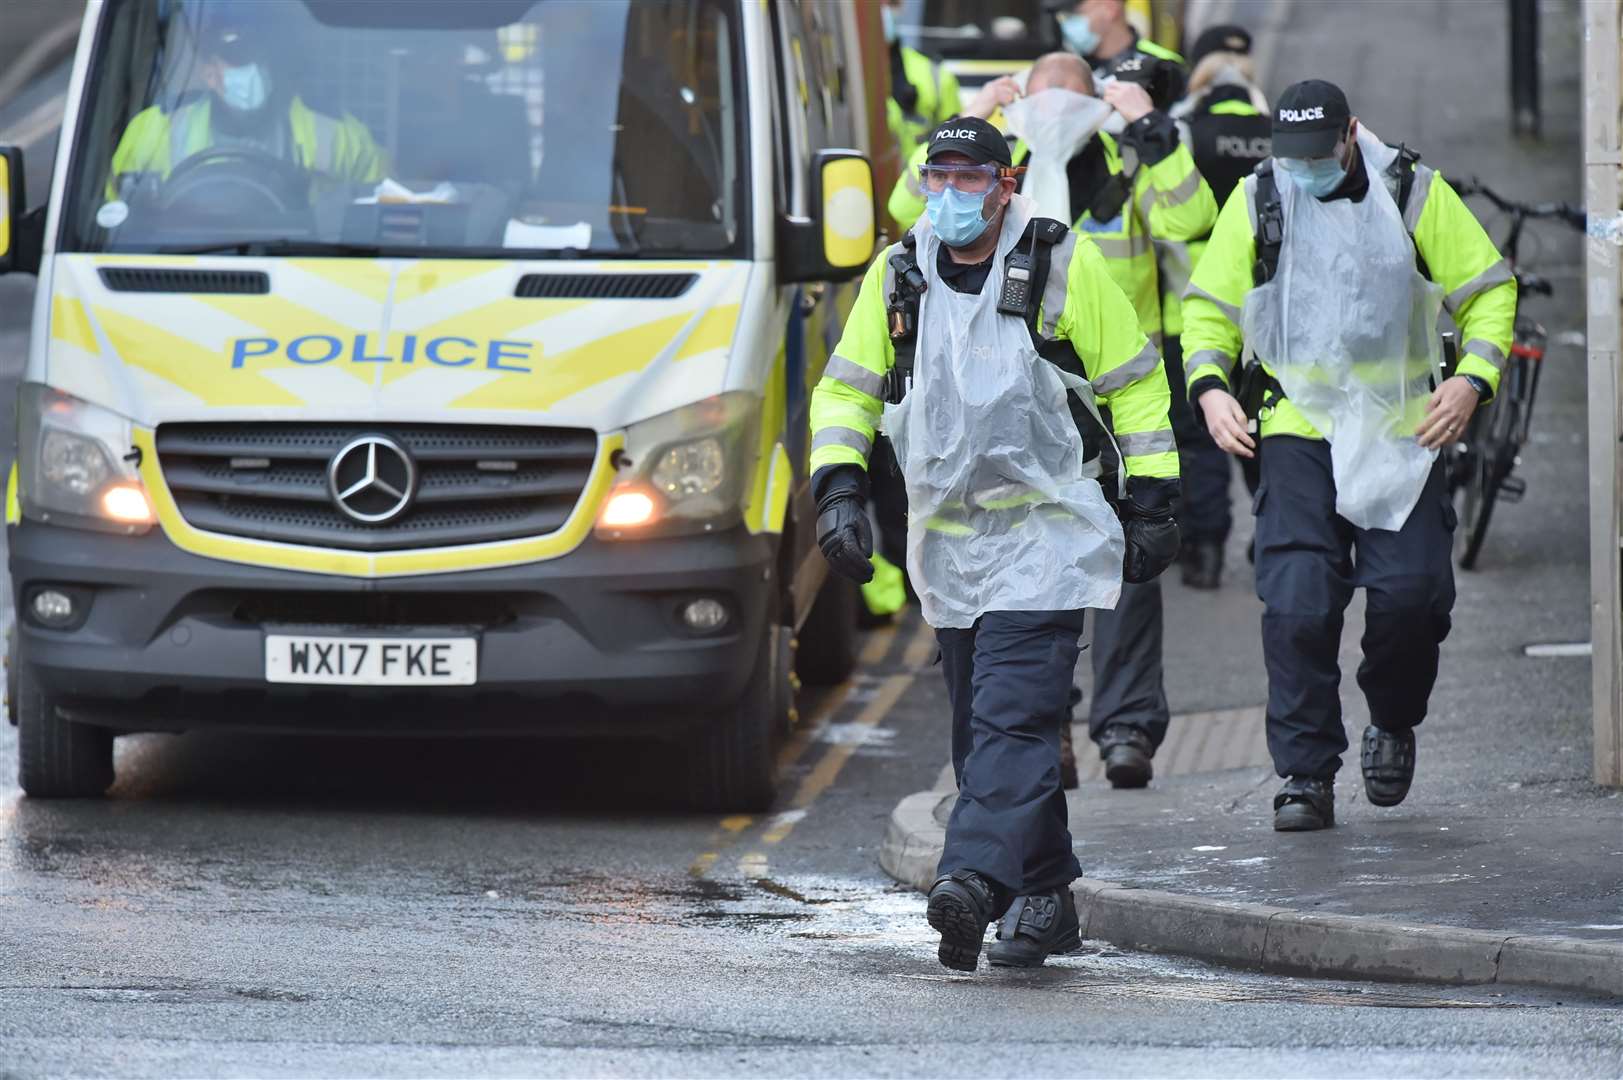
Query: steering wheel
[(231, 176)]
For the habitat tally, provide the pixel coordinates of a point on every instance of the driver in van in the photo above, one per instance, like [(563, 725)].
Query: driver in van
[(247, 108)]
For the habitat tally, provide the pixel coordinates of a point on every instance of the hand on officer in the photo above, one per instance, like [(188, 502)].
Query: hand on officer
[(1447, 413), (993, 96), (1151, 530), (1129, 99), (844, 534), (1226, 420)]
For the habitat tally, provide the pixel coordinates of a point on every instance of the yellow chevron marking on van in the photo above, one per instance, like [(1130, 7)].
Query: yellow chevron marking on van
[(580, 368), (422, 278), (714, 330), (361, 277), (204, 372), (283, 319), (70, 324)]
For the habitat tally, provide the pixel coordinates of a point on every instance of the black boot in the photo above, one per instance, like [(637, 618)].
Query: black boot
[(1034, 927), (962, 903), (1304, 804), (1387, 758), (1126, 752), (1203, 564)]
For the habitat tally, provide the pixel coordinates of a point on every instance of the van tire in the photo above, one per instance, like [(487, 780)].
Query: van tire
[(57, 758), (830, 641), (732, 760)]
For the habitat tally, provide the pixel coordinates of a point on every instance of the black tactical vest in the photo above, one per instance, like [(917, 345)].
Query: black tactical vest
[(1227, 148)]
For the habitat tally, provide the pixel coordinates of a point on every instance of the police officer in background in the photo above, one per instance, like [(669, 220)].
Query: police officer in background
[(1335, 292), (1010, 537), (1100, 33), (1224, 122), (923, 93)]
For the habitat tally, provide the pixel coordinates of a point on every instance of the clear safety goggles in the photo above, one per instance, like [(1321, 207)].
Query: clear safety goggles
[(969, 179)]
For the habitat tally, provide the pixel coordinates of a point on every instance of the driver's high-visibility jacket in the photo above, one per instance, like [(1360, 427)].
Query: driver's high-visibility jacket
[(1479, 291), (156, 141), (1080, 303), (1167, 201)]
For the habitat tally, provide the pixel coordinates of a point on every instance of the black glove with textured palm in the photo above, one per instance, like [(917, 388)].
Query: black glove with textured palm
[(1150, 527), (844, 534)]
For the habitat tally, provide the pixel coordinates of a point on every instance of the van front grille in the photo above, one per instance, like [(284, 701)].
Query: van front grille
[(268, 481)]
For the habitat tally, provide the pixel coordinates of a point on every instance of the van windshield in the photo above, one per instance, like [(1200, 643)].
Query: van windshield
[(984, 29), (480, 128)]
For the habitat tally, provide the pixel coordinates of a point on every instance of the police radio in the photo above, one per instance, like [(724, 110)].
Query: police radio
[(1015, 299)]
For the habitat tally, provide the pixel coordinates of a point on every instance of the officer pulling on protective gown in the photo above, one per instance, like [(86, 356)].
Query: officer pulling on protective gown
[(1335, 292), (980, 345)]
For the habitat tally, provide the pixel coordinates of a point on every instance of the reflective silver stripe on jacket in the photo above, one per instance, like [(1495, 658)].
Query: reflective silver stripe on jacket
[(1187, 189), (1202, 357), (1497, 274), (180, 131), (1133, 370), (326, 142), (854, 375), (1121, 247), (1058, 285), (1231, 312), (842, 436), (1147, 442), (1487, 350), (1417, 197)]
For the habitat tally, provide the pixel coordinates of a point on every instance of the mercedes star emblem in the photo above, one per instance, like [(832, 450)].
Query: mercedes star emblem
[(371, 480)]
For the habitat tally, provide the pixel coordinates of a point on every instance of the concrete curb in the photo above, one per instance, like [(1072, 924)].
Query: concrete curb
[(1277, 939)]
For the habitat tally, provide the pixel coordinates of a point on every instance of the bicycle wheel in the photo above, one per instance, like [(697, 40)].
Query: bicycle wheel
[(1492, 454)]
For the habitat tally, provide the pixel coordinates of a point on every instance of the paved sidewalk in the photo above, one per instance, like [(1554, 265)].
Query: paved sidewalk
[(1504, 838)]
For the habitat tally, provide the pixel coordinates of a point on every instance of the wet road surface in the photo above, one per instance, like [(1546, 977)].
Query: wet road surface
[(299, 906)]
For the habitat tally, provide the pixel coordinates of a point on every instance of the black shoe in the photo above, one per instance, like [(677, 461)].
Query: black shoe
[(1305, 804), (1035, 926), (961, 905), (1126, 752), (1387, 758), (1203, 565)]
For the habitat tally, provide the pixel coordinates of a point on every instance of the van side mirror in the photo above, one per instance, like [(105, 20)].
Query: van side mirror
[(20, 231), (837, 242)]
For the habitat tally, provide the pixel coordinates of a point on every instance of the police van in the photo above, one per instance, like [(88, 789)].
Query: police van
[(435, 369)]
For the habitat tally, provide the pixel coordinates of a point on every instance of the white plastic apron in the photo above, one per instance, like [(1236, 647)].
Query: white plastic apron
[(1349, 327), (1002, 515)]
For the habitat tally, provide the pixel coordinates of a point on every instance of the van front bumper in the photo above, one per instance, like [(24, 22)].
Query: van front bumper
[(589, 643)]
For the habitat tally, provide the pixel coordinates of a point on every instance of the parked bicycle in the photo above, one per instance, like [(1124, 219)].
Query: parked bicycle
[(1481, 464)]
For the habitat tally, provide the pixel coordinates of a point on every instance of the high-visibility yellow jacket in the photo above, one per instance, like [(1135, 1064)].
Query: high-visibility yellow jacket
[(156, 141), (1168, 201), (1080, 303), (937, 90), (1480, 292)]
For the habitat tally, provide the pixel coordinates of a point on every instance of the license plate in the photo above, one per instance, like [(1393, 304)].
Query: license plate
[(363, 661)]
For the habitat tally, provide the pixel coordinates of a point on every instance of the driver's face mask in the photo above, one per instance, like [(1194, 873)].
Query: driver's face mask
[(244, 87)]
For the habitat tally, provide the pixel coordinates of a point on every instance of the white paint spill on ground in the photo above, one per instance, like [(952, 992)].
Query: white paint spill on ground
[(1210, 847), (863, 735)]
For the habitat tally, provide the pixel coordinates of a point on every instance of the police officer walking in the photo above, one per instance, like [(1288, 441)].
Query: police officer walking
[(1123, 192), (965, 346), (923, 93), (1335, 293), (1224, 122)]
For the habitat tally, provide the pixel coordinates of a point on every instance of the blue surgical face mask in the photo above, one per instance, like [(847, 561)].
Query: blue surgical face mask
[(244, 88), (1317, 177), (887, 19), (1079, 34), (955, 216)]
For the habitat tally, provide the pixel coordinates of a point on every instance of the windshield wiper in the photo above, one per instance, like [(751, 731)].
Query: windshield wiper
[(280, 246)]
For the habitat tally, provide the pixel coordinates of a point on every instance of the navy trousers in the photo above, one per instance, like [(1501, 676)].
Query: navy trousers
[(1309, 561), (1129, 687), (1204, 515), (1007, 678)]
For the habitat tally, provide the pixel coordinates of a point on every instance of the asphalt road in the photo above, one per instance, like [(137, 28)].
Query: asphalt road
[(301, 906)]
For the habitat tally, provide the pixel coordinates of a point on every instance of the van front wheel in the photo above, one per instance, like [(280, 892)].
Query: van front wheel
[(57, 758), (732, 761)]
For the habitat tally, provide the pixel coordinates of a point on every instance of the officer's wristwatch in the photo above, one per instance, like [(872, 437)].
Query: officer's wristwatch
[(1480, 385)]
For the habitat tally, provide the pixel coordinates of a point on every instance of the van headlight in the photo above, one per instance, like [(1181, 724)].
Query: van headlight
[(72, 464), (685, 470)]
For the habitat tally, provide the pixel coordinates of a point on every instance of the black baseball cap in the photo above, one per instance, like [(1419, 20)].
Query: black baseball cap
[(972, 137), (1225, 38), (1309, 119)]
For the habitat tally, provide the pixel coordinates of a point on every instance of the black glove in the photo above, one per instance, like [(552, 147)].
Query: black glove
[(844, 534), (1151, 529)]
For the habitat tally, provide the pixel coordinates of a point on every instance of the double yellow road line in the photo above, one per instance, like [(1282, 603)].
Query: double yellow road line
[(886, 692)]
